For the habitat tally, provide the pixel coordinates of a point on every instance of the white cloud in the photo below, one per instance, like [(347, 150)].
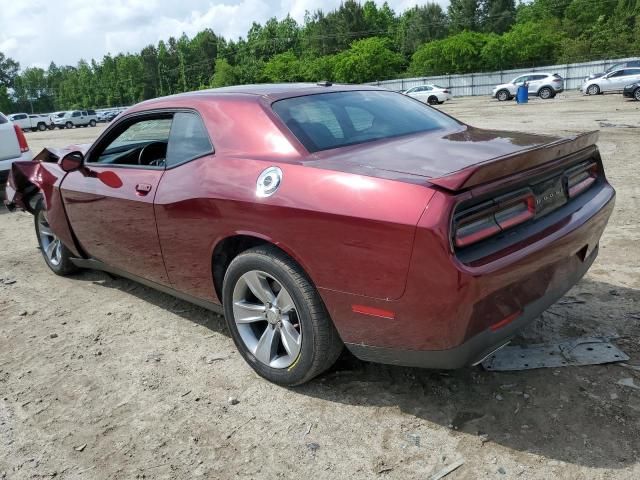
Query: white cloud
[(36, 32)]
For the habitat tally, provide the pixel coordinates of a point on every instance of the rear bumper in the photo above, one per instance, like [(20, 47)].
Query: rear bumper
[(478, 347), (456, 310)]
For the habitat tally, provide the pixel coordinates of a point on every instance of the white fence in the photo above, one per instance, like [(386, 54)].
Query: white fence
[(483, 83)]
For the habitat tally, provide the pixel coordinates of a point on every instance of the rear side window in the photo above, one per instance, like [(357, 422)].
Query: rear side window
[(188, 139), (332, 120)]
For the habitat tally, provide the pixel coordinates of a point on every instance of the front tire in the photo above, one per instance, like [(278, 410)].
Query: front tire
[(56, 255), (68, 125), (277, 318), (92, 123), (636, 94), (503, 95), (432, 100)]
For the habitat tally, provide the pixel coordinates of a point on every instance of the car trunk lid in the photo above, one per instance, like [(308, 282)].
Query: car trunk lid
[(453, 160)]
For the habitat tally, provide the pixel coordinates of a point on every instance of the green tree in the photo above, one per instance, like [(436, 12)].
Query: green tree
[(419, 25), (367, 60), (284, 67), (8, 70), (224, 75), (459, 53), (464, 15)]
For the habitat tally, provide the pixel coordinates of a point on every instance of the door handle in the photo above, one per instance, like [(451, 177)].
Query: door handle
[(143, 188)]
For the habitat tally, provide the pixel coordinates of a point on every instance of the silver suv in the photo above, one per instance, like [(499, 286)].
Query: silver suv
[(76, 118), (543, 85)]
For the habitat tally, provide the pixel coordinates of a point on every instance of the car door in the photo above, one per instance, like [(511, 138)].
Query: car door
[(632, 75), (614, 81), (110, 201), (22, 120), (535, 82)]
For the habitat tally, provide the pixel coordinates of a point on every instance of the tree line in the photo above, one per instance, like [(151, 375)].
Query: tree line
[(357, 42)]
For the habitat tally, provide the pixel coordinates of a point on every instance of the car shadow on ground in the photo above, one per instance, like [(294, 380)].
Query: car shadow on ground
[(577, 415)]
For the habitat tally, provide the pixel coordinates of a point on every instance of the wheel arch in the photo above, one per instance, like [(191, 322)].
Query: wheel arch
[(228, 247)]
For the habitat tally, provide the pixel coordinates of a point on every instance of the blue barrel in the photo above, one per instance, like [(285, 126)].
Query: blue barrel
[(523, 94)]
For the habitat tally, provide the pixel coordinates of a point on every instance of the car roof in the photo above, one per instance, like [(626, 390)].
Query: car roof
[(269, 91)]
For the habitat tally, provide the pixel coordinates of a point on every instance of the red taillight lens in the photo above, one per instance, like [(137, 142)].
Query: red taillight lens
[(22, 141), (581, 178), (445, 91), (494, 217)]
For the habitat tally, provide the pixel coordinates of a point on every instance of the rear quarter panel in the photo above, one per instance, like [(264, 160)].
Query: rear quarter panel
[(349, 232)]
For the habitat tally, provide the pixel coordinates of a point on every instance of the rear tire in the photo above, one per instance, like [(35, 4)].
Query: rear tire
[(432, 100), (503, 95), (55, 254), (68, 125), (545, 93), (636, 94), (291, 308)]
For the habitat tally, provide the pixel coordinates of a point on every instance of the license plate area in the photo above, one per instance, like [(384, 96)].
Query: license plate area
[(550, 195)]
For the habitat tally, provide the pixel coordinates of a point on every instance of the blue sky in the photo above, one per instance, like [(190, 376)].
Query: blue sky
[(35, 32)]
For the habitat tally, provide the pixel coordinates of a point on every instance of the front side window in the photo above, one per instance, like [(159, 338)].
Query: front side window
[(332, 120), (142, 143), (188, 139)]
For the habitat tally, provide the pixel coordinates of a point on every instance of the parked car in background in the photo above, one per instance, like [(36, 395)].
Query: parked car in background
[(13, 147), (611, 82), (431, 94), (76, 118), (543, 85), (31, 122), (317, 216), (632, 91), (53, 116), (613, 68)]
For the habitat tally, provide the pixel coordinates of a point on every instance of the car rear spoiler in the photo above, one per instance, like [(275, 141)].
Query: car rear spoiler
[(522, 160)]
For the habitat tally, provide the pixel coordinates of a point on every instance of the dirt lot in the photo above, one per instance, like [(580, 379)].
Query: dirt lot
[(104, 378)]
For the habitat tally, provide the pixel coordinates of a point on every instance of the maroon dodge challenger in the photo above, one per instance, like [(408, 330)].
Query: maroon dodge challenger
[(318, 216)]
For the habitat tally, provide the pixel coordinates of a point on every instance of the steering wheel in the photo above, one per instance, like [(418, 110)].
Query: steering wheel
[(154, 148)]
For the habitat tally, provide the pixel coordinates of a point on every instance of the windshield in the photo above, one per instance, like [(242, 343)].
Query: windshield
[(614, 67), (332, 120)]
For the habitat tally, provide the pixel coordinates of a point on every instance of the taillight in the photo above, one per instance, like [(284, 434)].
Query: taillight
[(581, 178), (495, 216), (557, 80), (22, 141), (445, 91)]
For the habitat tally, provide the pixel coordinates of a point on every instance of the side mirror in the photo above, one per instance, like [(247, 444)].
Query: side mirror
[(72, 161)]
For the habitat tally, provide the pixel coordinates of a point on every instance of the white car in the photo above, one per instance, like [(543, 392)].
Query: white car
[(431, 94), (76, 118), (13, 147), (541, 84), (611, 82), (29, 122)]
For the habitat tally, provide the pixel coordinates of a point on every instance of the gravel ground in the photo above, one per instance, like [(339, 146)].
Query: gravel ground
[(104, 378)]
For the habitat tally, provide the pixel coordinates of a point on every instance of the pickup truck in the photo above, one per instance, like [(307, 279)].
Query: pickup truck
[(30, 122), (76, 118)]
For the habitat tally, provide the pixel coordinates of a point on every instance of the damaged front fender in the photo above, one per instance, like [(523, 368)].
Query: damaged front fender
[(41, 178)]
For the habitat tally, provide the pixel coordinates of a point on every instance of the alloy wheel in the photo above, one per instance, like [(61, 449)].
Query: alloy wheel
[(267, 319), (502, 95), (636, 94), (593, 90), (545, 93), (49, 242)]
